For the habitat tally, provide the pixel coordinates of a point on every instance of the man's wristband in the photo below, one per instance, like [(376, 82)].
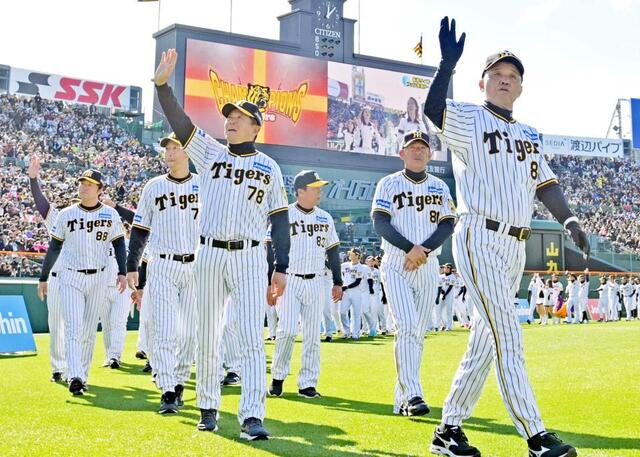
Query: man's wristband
[(570, 220)]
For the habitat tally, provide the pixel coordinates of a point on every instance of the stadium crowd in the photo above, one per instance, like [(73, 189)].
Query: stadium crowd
[(67, 138)]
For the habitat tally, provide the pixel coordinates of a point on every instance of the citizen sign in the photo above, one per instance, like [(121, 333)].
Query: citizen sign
[(327, 33)]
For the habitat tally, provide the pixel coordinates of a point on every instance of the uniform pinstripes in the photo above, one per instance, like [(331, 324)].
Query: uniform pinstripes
[(56, 326), (231, 343), (81, 296), (411, 296), (299, 303), (351, 302), (114, 311), (496, 334), (445, 307), (327, 303), (144, 333), (272, 320), (241, 277), (172, 289)]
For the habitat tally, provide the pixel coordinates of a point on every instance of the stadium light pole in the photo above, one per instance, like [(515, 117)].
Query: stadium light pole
[(159, 6)]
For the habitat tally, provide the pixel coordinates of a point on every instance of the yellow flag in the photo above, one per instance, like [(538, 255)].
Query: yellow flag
[(418, 48)]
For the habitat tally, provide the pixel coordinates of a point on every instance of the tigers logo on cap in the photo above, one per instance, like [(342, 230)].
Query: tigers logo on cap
[(92, 176)]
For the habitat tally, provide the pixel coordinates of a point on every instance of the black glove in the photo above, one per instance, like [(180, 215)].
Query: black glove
[(450, 48), (344, 288), (579, 238)]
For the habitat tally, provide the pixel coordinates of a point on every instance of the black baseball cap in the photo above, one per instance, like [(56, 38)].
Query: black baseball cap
[(416, 135), (92, 176), (164, 141), (355, 251), (308, 178), (503, 56), (245, 107)]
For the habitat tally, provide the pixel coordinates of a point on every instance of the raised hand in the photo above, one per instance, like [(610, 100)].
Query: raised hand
[(166, 66), (34, 167), (579, 238), (450, 48)]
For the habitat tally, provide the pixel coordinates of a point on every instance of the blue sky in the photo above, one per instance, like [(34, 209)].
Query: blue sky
[(580, 56)]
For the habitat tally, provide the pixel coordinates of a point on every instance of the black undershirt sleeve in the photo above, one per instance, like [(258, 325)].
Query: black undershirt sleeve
[(443, 231), (271, 260), (444, 294), (125, 214), (333, 256), (178, 119), (370, 281), (436, 102), (142, 275), (42, 204), (137, 242), (354, 284), (120, 250), (280, 239), (382, 226), (55, 246), (553, 198)]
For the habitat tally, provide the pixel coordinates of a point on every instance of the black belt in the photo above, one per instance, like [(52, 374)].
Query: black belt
[(311, 276), (521, 233), (228, 245), (185, 258), (88, 272)]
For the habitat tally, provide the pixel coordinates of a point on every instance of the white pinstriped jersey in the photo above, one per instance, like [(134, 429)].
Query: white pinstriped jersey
[(627, 289), (239, 192), (169, 209), (351, 272), (447, 281), (87, 236), (572, 289), (415, 208), (498, 165), (311, 235), (374, 274)]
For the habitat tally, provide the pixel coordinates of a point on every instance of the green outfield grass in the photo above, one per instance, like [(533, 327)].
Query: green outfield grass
[(586, 378)]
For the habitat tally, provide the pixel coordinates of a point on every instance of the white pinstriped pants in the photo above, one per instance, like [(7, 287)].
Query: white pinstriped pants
[(411, 296), (113, 317), (327, 304), (351, 299), (272, 320), (491, 265), (81, 296), (238, 280), (446, 311), (300, 302), (172, 290), (230, 343), (56, 326), (145, 330)]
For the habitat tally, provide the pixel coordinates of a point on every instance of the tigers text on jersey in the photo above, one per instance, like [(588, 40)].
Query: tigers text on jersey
[(87, 236), (351, 272), (415, 208), (169, 209), (239, 191), (312, 233), (498, 164)]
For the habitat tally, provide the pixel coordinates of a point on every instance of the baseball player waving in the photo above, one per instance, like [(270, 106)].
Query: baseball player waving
[(241, 190), (87, 230), (313, 238), (168, 216), (413, 213), (499, 167)]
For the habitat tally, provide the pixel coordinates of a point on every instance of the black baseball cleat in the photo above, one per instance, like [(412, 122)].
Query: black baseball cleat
[(547, 444), (147, 367), (208, 420), (252, 430), (179, 391), (328, 339), (141, 355), (76, 386), (56, 377), (114, 363), (275, 389), (309, 392), (451, 441), (168, 403), (231, 379), (415, 407)]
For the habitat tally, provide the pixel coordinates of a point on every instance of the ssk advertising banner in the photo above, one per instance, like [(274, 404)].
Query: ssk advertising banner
[(69, 89)]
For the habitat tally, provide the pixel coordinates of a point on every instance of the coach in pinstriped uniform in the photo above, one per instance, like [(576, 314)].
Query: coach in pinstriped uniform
[(313, 239), (413, 213), (241, 189), (168, 217), (499, 167)]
